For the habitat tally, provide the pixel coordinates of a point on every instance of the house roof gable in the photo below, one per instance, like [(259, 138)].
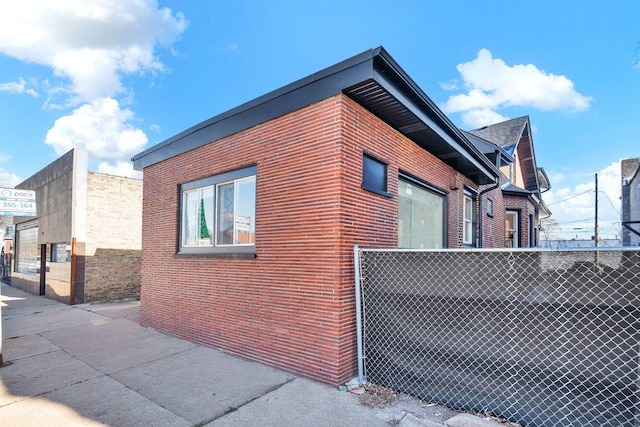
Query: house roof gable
[(374, 80), (505, 134), (515, 137)]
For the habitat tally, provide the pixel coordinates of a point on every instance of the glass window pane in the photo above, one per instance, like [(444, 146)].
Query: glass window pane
[(205, 216), (374, 174), (189, 217), (510, 228), (468, 208), (225, 215), (420, 217), (245, 211), (28, 256)]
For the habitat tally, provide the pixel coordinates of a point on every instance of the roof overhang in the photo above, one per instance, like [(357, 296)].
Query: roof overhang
[(543, 180), (375, 81)]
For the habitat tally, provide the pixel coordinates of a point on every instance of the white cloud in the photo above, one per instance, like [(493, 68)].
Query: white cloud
[(479, 117), (90, 46), (91, 43), (573, 206), (450, 85), (102, 128), (492, 84), (18, 87), (8, 179), (120, 169)]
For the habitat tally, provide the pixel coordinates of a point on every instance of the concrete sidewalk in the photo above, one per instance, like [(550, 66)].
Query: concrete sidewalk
[(95, 365)]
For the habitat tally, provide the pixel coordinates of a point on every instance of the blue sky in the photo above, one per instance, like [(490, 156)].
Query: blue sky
[(115, 77)]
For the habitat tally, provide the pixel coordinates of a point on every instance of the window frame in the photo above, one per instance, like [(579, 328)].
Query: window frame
[(489, 207), (516, 230), (366, 184), (244, 250), (404, 176), (468, 197)]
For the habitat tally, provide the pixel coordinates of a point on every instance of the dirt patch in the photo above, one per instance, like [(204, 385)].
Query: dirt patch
[(375, 395)]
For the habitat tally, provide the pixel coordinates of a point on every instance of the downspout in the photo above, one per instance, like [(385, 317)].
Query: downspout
[(480, 216), (486, 190)]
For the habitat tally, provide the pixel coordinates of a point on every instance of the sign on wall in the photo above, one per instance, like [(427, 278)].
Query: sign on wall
[(15, 202)]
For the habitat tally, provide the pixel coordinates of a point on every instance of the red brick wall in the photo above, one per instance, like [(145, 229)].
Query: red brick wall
[(525, 208), (292, 306), (493, 235)]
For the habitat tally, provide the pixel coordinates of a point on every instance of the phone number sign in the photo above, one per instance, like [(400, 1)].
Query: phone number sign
[(15, 202)]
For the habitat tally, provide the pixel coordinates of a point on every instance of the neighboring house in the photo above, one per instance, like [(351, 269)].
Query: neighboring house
[(522, 183), (84, 245), (630, 169), (579, 243), (250, 218)]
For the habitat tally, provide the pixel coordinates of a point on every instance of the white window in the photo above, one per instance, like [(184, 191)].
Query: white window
[(511, 229), (467, 220), (420, 216), (218, 214)]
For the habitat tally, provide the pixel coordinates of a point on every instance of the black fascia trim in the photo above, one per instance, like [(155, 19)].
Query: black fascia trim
[(316, 87), (521, 193), (484, 167), (445, 122)]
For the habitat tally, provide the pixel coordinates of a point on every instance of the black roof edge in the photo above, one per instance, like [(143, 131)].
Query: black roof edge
[(139, 159), (503, 153), (313, 88)]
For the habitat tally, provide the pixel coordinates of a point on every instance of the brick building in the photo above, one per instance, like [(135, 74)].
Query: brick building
[(250, 217), (84, 244), (522, 181), (630, 215)]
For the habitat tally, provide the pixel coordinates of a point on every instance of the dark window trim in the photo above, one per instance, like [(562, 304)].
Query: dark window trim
[(386, 172), (230, 251), (218, 178), (209, 254), (440, 192), (490, 207), (408, 177), (518, 225)]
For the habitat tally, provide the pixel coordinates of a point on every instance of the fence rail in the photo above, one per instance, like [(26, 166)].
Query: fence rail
[(539, 337)]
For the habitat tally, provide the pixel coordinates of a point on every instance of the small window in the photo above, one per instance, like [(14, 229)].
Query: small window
[(218, 213), (468, 212), (374, 175), (490, 208)]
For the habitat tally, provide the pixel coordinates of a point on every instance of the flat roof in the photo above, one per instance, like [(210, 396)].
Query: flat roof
[(371, 78)]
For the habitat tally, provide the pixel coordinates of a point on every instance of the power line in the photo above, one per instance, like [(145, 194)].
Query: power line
[(574, 221), (569, 198), (610, 202)]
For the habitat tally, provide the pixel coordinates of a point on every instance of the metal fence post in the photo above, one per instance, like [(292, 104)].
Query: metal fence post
[(356, 265)]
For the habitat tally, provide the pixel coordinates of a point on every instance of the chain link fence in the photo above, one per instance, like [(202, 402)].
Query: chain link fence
[(542, 338)]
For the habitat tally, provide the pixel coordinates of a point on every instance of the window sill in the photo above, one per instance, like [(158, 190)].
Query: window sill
[(248, 252), (373, 190)]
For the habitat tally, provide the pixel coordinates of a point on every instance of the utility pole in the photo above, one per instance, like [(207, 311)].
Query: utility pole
[(596, 230)]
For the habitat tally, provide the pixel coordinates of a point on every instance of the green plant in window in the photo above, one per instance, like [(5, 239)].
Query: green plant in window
[(204, 230)]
